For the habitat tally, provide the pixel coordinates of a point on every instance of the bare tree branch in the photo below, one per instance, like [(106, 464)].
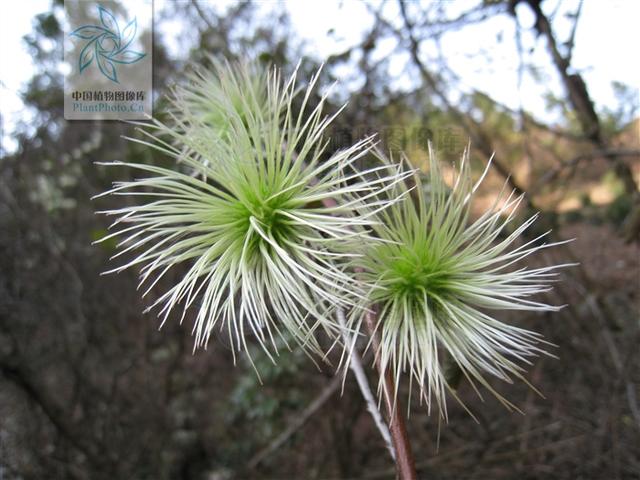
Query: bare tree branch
[(298, 422), (551, 175), (572, 38), (475, 133), (578, 95), (202, 15)]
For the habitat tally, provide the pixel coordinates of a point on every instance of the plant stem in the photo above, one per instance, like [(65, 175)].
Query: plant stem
[(405, 463), (355, 364)]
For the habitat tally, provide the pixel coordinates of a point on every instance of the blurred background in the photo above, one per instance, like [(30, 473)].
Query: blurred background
[(91, 389)]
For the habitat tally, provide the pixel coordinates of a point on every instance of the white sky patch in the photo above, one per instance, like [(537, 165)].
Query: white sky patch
[(605, 51), (607, 44), (16, 66), (330, 27)]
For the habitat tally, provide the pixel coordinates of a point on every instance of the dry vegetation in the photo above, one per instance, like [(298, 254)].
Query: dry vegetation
[(90, 389)]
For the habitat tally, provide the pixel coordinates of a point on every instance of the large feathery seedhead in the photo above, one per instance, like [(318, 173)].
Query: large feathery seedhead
[(437, 276), (256, 249)]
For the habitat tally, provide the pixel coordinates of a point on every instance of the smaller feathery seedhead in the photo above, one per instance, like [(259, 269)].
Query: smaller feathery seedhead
[(435, 276)]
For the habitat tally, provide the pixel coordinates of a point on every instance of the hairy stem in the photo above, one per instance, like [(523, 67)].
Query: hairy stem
[(355, 364)]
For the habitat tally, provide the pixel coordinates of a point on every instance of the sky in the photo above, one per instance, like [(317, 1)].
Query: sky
[(606, 49)]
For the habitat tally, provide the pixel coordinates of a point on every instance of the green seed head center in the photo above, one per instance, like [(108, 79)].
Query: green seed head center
[(416, 277), (269, 214)]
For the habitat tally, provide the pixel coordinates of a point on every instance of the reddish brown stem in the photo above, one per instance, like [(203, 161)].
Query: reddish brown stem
[(405, 462)]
